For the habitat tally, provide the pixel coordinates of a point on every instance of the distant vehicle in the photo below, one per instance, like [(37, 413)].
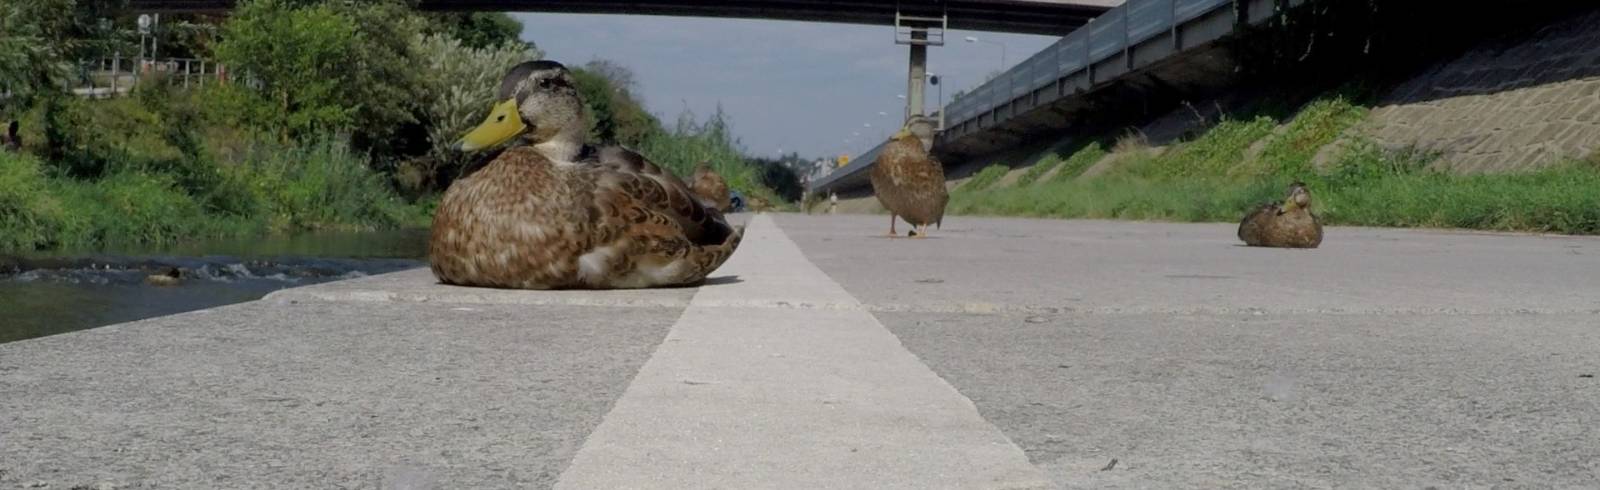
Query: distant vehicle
[(736, 200)]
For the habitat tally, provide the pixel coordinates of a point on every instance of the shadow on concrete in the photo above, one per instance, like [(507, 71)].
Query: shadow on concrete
[(721, 280)]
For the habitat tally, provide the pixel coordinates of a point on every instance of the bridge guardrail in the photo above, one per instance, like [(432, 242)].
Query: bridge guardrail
[(1109, 35), (1112, 34)]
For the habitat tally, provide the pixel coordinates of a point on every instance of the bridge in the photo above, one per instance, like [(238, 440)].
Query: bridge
[(1172, 43), (1047, 17), (917, 23)]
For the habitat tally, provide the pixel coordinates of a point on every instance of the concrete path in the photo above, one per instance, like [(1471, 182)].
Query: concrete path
[(997, 354)]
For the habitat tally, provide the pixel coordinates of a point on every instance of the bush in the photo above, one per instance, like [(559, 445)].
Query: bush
[(30, 215), (318, 185), (692, 142), (462, 83)]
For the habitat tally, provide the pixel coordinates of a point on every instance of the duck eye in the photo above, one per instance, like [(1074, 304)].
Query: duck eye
[(545, 83)]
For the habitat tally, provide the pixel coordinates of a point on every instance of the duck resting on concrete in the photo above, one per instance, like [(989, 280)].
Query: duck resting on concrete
[(551, 212), (711, 187), (908, 181), (1287, 225)]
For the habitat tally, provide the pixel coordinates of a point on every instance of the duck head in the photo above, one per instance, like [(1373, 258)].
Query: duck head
[(920, 127), (538, 103), (1298, 198)]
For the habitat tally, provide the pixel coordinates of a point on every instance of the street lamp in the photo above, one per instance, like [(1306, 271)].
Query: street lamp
[(974, 39)]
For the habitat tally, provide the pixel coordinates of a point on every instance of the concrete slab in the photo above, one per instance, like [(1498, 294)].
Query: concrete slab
[(1281, 401), (741, 397), (419, 286), (319, 395), (1384, 359), (983, 265)]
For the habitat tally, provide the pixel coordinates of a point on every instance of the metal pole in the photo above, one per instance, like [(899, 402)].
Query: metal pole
[(116, 65)]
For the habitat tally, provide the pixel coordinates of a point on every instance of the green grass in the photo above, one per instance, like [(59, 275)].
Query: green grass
[(682, 149), (1044, 166), (984, 178), (1209, 179), (280, 190), (1079, 161)]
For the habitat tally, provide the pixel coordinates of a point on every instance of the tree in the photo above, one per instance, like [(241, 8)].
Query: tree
[(479, 30), (31, 52), (382, 79), (621, 77), (614, 114), (296, 58)]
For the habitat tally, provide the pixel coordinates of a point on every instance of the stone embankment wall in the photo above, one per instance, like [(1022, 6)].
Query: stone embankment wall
[(1517, 103)]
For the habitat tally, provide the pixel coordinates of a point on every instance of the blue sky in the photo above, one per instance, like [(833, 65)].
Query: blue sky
[(793, 86)]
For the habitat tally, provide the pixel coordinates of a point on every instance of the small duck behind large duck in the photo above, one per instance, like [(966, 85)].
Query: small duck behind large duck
[(556, 213)]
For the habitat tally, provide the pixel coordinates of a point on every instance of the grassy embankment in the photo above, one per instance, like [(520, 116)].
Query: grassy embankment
[(142, 174), (1244, 161)]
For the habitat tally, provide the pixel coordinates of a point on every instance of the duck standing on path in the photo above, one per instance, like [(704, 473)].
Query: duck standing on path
[(710, 186), (555, 213), (908, 181), (1287, 225)]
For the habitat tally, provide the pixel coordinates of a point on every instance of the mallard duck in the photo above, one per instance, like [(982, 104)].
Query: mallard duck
[(168, 277), (1287, 225), (908, 181), (710, 187), (555, 213)]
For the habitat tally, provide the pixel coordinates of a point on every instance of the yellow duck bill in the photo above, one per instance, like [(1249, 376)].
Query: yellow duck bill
[(502, 124)]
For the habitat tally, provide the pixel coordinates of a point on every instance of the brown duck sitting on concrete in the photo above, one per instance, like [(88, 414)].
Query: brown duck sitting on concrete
[(1287, 225), (711, 187), (554, 213), (908, 181)]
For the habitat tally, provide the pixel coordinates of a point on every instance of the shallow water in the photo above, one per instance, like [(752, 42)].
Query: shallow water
[(46, 294)]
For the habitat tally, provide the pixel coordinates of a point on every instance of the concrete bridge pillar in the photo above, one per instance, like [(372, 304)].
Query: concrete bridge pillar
[(919, 71)]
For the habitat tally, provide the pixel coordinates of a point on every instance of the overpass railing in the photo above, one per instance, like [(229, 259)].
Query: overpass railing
[(1108, 36), (1108, 47)]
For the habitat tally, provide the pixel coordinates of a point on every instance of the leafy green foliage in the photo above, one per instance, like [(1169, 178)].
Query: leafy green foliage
[(1079, 161), (693, 141), (615, 115), (294, 56), (460, 86), (1208, 179), (478, 30), (31, 52)]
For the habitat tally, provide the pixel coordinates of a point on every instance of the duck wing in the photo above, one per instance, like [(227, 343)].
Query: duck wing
[(649, 185)]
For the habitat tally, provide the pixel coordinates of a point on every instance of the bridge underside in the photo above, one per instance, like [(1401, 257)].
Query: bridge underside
[(1026, 17)]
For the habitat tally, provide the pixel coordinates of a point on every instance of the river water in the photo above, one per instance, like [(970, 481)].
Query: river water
[(46, 294)]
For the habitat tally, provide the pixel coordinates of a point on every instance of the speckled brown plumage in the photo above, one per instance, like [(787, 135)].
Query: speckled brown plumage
[(909, 182), (711, 188), (524, 222), (557, 214), (1289, 224)]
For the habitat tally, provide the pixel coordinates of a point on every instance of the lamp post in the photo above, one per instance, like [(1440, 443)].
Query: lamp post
[(974, 39)]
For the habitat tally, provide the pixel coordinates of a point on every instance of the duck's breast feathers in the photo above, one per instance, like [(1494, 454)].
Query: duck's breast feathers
[(518, 222)]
